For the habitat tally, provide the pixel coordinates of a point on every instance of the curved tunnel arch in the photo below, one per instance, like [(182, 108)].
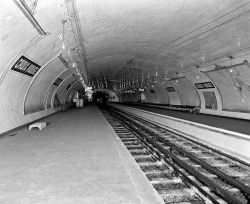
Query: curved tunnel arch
[(76, 85), (34, 100), (64, 87), (69, 97), (64, 75), (142, 39)]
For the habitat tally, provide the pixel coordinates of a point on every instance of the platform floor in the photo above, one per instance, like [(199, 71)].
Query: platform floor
[(78, 158), (232, 124)]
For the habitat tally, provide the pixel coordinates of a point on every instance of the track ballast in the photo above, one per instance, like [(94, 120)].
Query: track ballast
[(180, 169)]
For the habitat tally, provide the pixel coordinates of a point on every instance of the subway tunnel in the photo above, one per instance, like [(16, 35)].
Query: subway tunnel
[(122, 101)]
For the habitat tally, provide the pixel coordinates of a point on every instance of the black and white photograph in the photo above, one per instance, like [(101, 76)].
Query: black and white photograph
[(125, 102)]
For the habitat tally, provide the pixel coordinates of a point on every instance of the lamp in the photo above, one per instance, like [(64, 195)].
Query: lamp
[(63, 24), (197, 72)]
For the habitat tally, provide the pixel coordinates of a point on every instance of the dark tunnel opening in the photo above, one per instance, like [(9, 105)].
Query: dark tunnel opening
[(100, 97)]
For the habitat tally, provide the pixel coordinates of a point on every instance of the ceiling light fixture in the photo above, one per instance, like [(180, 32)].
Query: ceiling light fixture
[(197, 72), (63, 35), (231, 59)]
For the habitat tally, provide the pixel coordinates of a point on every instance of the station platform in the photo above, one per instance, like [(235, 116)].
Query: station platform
[(77, 158), (231, 124)]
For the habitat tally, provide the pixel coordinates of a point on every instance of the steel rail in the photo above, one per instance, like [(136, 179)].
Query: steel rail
[(227, 196), (204, 164), (191, 140), (156, 150)]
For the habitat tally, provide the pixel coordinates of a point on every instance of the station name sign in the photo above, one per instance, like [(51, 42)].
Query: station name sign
[(57, 82), (129, 91), (26, 66), (170, 89), (204, 85)]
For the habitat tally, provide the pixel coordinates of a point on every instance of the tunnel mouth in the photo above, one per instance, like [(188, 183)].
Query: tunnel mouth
[(100, 97)]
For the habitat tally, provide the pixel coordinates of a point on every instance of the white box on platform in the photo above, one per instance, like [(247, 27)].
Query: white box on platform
[(40, 126)]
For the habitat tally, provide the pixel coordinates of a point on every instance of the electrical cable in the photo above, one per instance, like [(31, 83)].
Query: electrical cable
[(204, 25), (219, 25)]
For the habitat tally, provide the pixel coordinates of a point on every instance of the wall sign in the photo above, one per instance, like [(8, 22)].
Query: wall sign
[(26, 66), (170, 89), (204, 85), (129, 91), (57, 82), (68, 87)]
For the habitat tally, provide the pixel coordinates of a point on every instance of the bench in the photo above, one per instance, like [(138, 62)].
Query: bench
[(37, 125)]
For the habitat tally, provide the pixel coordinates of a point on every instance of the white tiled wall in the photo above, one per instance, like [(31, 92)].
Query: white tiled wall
[(12, 91)]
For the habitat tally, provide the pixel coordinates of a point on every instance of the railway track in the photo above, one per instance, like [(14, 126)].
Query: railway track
[(179, 168)]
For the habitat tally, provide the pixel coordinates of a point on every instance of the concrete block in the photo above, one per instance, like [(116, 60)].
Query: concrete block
[(37, 125)]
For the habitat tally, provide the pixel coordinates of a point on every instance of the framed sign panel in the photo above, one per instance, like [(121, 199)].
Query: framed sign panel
[(170, 89), (57, 82), (68, 87), (204, 85), (25, 66)]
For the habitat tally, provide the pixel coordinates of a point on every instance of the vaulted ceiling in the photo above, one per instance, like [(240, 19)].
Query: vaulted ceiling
[(167, 35)]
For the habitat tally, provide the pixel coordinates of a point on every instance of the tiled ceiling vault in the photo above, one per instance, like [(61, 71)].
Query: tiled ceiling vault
[(149, 35)]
